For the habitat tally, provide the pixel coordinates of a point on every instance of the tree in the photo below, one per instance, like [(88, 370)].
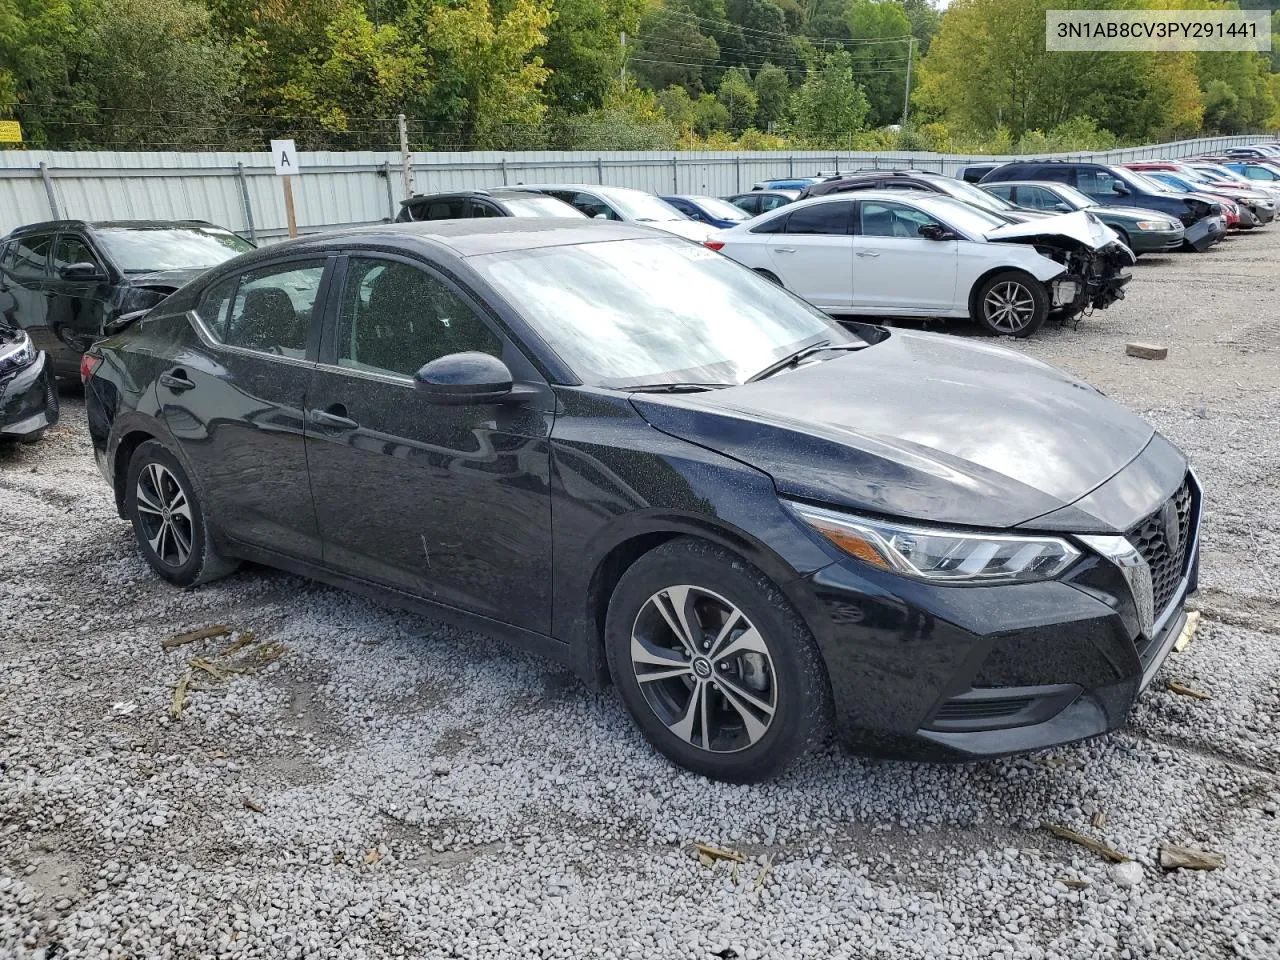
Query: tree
[(829, 106), (738, 97), (773, 93), (758, 33), (709, 115), (881, 68), (584, 50), (677, 106), (672, 49)]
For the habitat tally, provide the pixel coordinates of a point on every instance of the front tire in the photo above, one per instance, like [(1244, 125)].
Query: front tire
[(1011, 303), (168, 520), (715, 666)]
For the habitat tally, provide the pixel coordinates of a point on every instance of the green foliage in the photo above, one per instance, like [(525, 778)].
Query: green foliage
[(739, 99), (830, 106), (584, 50), (709, 116), (773, 95), (881, 68)]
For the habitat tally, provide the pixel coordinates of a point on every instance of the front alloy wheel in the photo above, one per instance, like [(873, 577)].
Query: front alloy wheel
[(1012, 304), (704, 669), (717, 668)]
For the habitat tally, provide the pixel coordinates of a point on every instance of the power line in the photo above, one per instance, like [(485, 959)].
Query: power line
[(665, 47), (839, 41)]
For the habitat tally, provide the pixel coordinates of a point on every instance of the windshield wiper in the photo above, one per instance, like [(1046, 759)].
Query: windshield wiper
[(675, 387), (792, 359)]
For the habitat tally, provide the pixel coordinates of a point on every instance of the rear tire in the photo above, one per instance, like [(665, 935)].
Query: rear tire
[(744, 691), (168, 519), (1011, 303)]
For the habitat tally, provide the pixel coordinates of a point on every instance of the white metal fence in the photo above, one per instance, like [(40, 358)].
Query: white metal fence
[(240, 190)]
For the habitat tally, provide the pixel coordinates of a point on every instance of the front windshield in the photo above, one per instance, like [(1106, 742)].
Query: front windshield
[(640, 206), (148, 249), (1222, 173), (623, 313), (722, 209), (976, 195), (532, 206), (963, 216)]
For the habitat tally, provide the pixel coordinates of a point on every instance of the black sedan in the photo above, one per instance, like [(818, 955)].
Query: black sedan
[(28, 391), (755, 521), (66, 281)]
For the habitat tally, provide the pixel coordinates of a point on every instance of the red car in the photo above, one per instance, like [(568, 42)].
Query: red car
[(1260, 208)]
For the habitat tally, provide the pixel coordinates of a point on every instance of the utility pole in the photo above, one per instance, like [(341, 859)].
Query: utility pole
[(622, 37), (906, 97), (406, 161)]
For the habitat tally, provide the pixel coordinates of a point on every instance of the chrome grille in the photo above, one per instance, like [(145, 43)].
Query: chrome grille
[(1168, 561)]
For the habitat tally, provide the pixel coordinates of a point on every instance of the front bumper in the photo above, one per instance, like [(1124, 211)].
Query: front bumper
[(947, 673), (1156, 241), (1204, 233), (28, 400)]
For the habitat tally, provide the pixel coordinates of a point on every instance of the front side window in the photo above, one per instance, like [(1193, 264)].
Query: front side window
[(480, 208), (749, 204), (30, 256), (884, 218), (709, 320), (1005, 192), (822, 218), (1096, 182), (593, 207), (396, 317), (268, 309), (71, 249), (451, 208), (1037, 198)]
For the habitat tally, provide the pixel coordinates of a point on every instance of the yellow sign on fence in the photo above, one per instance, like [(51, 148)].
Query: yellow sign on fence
[(10, 131)]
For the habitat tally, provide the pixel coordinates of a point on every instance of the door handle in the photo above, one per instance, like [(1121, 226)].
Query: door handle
[(784, 249), (177, 380), (334, 416), (867, 253)]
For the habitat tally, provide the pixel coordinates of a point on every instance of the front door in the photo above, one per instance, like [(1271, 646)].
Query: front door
[(894, 268), (235, 405), (813, 256), (24, 295), (450, 503), (76, 306)]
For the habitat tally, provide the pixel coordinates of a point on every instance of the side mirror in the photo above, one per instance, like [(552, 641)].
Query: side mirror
[(1120, 188), (601, 216), (1061, 208), (464, 378), (82, 271), (935, 231)]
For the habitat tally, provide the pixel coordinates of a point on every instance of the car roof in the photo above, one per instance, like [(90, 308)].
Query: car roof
[(1025, 183), (467, 238), (600, 188), (46, 226), (772, 191), (502, 193)]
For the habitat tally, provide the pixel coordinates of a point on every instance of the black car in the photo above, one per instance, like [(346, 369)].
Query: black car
[(923, 180), (756, 202), (975, 171), (754, 520), (1120, 187), (66, 281), (482, 203), (28, 391)]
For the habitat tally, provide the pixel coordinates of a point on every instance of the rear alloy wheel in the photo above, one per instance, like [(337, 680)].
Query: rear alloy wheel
[(715, 666), (1012, 304), (167, 519)]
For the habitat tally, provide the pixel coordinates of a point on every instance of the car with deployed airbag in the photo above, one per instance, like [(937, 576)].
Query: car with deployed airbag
[(758, 523)]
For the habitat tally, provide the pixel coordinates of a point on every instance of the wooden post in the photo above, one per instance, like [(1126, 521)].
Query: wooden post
[(288, 205)]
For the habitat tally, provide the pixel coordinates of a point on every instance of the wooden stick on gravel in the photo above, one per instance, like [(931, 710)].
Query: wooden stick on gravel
[(1096, 846), (221, 630)]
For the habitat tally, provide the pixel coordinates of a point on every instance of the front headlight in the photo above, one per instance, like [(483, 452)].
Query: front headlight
[(17, 353), (1155, 225), (939, 554)]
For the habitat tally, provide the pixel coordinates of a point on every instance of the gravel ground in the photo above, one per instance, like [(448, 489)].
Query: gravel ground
[(392, 787)]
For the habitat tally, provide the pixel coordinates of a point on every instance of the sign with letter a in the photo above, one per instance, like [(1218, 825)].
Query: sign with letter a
[(284, 155)]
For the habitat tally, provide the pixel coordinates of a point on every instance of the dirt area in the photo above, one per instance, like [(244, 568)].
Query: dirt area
[(392, 787)]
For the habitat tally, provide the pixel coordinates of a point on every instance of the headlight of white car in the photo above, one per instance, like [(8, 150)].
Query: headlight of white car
[(940, 554)]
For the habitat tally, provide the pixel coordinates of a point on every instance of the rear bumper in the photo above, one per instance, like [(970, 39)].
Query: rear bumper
[(29, 400)]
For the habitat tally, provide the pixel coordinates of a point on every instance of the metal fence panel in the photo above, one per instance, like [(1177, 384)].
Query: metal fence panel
[(360, 187)]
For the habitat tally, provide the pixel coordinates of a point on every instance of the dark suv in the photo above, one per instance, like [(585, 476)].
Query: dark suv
[(65, 281), (1118, 187), (923, 180), (483, 203)]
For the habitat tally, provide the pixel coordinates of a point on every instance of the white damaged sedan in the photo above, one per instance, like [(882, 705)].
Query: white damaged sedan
[(911, 253)]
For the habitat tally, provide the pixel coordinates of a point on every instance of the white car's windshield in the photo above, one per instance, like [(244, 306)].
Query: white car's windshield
[(976, 195), (147, 249), (722, 209), (628, 312), (963, 216), (640, 206)]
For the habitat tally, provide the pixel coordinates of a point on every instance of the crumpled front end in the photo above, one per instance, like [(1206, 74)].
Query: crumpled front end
[(1094, 279), (28, 391)]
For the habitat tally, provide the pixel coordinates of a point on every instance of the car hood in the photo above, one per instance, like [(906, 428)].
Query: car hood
[(921, 426), (691, 229), (165, 278), (1079, 226)]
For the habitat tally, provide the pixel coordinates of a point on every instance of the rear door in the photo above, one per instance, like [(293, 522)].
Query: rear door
[(236, 404), (896, 269), (813, 256), (450, 503), (26, 296)]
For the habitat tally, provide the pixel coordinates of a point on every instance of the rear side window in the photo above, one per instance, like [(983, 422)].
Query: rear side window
[(30, 256), (480, 208), (268, 309), (822, 218), (454, 208)]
